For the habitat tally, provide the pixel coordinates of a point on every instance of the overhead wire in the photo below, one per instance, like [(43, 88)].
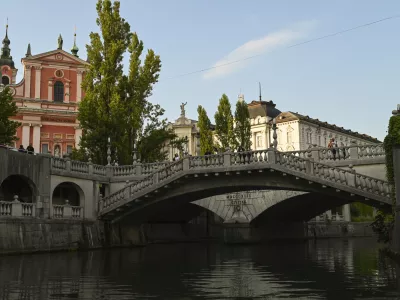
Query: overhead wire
[(288, 47)]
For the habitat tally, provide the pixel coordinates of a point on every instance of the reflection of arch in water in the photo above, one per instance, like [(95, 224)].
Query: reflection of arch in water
[(68, 191), (19, 185)]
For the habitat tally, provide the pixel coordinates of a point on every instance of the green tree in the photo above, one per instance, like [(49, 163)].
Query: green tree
[(116, 105), (204, 125), (224, 124), (384, 223), (8, 108), (242, 125)]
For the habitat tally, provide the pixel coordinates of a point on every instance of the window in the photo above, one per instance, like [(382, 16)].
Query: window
[(45, 148), (259, 141), (69, 149), (58, 91), (5, 80), (289, 137), (309, 138), (319, 140)]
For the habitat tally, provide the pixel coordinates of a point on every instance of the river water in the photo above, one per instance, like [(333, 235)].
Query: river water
[(326, 269)]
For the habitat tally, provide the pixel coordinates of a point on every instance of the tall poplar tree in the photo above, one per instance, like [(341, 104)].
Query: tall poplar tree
[(204, 125), (242, 125), (116, 105), (8, 108), (224, 124)]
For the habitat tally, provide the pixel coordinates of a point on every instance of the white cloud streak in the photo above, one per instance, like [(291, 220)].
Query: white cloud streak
[(266, 44)]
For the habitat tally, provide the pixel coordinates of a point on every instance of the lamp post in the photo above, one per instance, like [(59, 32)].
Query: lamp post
[(134, 153), (109, 152), (274, 135)]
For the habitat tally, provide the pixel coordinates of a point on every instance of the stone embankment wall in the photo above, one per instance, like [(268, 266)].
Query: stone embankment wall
[(26, 236), (339, 229)]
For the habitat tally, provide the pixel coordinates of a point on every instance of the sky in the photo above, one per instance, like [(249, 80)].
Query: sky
[(350, 79)]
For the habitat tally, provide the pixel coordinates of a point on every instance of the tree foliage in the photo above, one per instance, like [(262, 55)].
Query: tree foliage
[(116, 105), (242, 125), (224, 124), (206, 137), (8, 108), (384, 223)]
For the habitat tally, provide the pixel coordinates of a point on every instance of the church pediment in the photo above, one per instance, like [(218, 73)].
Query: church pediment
[(56, 56)]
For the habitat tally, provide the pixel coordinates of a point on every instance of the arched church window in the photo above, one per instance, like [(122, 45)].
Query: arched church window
[(5, 80), (58, 91)]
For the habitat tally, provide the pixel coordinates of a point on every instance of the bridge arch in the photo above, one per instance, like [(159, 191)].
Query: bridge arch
[(68, 191), (19, 185), (194, 187)]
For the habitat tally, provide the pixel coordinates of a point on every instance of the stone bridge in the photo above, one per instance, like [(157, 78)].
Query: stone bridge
[(194, 178), (57, 188)]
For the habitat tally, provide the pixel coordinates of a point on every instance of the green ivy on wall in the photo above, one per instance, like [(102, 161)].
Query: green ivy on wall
[(384, 223)]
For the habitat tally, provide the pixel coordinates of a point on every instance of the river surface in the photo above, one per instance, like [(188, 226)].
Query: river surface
[(326, 269)]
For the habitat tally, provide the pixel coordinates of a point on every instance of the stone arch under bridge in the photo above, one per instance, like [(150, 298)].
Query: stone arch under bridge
[(187, 186), (18, 185)]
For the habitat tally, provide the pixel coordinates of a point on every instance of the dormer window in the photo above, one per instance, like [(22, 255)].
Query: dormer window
[(58, 92), (5, 80)]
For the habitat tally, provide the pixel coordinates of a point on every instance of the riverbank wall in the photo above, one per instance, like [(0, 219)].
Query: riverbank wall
[(38, 235)]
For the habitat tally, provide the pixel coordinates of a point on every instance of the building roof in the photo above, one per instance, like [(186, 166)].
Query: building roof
[(262, 109), (291, 116)]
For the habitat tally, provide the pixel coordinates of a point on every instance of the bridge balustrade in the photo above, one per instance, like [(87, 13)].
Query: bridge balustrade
[(353, 152), (288, 160), (67, 212), (318, 154), (17, 209)]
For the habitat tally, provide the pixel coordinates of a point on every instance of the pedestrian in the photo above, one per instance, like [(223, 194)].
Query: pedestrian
[(21, 149), (332, 145), (176, 157), (30, 149)]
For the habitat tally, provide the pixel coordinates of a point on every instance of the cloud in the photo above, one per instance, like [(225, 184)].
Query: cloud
[(270, 42)]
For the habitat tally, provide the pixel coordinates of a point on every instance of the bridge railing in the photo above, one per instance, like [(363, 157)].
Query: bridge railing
[(290, 162), (353, 152), (67, 212), (17, 209)]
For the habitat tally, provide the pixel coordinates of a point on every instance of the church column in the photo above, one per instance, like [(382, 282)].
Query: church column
[(37, 81), (50, 91), (79, 85), (78, 135), (66, 98), (27, 93), (36, 137), (25, 134)]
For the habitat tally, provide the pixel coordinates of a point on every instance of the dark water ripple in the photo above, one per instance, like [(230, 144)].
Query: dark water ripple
[(330, 269)]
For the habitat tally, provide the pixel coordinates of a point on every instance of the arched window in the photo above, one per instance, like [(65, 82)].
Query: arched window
[(58, 91), (5, 80)]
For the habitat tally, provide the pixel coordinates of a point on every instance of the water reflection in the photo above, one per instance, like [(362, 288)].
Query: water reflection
[(329, 269)]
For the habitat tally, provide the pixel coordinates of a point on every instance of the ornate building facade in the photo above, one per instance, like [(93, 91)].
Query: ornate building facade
[(47, 96)]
